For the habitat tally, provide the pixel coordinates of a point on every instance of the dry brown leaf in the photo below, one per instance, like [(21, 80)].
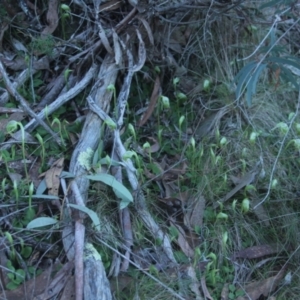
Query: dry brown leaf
[(256, 251), (117, 48), (148, 174), (205, 290), (153, 100), (121, 282), (148, 29), (52, 18), (52, 179), (260, 211), (16, 64), (142, 53), (225, 292), (154, 147), (57, 284), (104, 39), (173, 45), (193, 216), (245, 180), (179, 171), (172, 206), (194, 286), (39, 285), (17, 116), (15, 177), (69, 290), (254, 290), (182, 242)]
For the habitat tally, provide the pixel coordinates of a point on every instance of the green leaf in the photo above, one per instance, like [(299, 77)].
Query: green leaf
[(20, 275), (12, 286), (94, 217), (243, 76), (10, 266), (270, 4), (173, 233), (29, 214), (239, 293), (46, 197), (288, 76), (41, 222), (65, 174), (231, 288), (11, 276), (251, 88), (41, 188), (120, 190), (26, 251), (124, 204), (283, 61)]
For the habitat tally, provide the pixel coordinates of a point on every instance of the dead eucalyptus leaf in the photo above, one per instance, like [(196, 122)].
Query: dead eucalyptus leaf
[(245, 180), (182, 242), (52, 179), (225, 292), (142, 53), (17, 116), (205, 290), (148, 29), (260, 211), (153, 100), (193, 216), (104, 39), (57, 284), (179, 171), (264, 287), (194, 285), (52, 18), (148, 174), (173, 45), (256, 251), (154, 147), (117, 48)]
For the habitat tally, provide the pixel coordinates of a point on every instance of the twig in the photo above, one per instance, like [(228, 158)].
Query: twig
[(10, 110), (25, 106), (130, 169), (125, 220), (145, 272), (55, 105), (79, 243)]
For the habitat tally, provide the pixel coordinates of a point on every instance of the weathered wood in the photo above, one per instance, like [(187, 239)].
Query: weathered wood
[(96, 284)]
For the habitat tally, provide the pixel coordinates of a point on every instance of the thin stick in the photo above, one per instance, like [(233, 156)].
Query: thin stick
[(11, 89)]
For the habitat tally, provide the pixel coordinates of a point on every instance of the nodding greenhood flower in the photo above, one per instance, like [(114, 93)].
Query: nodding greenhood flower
[(165, 101), (176, 81), (283, 127), (223, 141), (222, 216), (274, 183), (245, 205), (297, 126), (253, 137)]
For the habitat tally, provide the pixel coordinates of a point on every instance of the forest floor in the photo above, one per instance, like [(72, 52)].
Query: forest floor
[(149, 151)]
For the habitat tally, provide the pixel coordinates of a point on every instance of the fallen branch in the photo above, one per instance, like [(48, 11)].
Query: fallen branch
[(11, 89), (54, 106)]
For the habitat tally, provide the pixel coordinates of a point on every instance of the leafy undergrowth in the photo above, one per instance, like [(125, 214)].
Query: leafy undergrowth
[(209, 140)]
